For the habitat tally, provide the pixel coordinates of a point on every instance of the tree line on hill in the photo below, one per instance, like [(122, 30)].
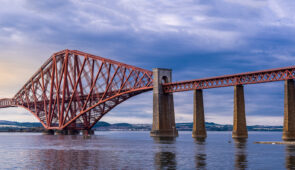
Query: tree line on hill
[(9, 126)]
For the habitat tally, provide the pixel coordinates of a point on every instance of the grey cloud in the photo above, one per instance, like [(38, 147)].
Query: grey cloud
[(195, 38)]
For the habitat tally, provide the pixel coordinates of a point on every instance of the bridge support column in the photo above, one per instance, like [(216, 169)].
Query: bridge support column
[(163, 106), (199, 130), (240, 127), (289, 111)]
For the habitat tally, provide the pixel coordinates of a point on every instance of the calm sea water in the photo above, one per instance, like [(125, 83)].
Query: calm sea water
[(137, 150)]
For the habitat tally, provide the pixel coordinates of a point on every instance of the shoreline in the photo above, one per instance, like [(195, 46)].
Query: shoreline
[(276, 142), (42, 130)]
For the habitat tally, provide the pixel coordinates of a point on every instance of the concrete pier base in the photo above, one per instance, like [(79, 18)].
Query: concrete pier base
[(88, 132), (61, 132), (199, 129), (239, 128), (289, 111), (73, 132), (163, 106), (48, 132), (67, 132)]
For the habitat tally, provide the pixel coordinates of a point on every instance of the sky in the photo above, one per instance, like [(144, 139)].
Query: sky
[(194, 38)]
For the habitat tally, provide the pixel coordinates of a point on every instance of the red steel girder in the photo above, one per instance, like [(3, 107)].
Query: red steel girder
[(263, 76), (6, 102), (73, 89)]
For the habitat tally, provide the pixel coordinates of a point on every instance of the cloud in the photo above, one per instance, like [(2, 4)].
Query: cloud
[(17, 114), (195, 38)]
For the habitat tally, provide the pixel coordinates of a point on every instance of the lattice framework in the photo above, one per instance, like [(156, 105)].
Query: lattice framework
[(263, 76), (74, 90)]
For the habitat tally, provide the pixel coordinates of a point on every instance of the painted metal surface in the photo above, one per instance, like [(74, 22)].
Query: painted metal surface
[(6, 102), (263, 76), (74, 90)]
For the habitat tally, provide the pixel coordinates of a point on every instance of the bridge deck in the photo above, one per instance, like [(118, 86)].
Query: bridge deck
[(278, 74), (6, 102), (74, 88)]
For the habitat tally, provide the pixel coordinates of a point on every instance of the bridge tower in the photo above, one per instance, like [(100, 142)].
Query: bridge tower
[(163, 106)]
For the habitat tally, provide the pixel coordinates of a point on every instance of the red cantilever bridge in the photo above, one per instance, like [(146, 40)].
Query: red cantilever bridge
[(74, 90)]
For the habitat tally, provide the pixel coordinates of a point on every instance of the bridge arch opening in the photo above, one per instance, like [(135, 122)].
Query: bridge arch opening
[(127, 112), (164, 80)]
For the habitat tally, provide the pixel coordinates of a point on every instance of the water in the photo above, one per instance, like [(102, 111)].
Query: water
[(137, 150)]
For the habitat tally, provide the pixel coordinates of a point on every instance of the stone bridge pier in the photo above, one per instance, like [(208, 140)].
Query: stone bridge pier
[(289, 111), (199, 130), (163, 106), (239, 121), (164, 116)]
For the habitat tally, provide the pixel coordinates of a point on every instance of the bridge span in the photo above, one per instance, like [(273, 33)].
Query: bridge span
[(73, 90)]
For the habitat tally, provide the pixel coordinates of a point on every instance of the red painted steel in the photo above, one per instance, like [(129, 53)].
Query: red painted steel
[(6, 103), (264, 76), (74, 90)]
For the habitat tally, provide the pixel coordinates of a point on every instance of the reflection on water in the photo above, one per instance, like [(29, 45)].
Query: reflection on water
[(137, 150), (52, 159), (290, 157), (165, 157), (241, 154), (62, 154), (200, 153)]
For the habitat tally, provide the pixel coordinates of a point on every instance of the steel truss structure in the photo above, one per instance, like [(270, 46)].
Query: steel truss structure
[(74, 90), (263, 76), (6, 103)]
